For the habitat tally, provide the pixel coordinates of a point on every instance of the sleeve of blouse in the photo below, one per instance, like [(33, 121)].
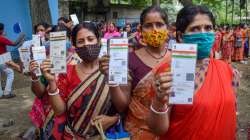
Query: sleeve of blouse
[(62, 84), (6, 41)]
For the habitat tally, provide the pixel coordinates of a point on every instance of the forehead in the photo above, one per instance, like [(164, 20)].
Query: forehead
[(201, 19), (153, 17), (40, 27), (84, 33)]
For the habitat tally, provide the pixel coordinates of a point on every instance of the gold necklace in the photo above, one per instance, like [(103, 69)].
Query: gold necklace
[(155, 56)]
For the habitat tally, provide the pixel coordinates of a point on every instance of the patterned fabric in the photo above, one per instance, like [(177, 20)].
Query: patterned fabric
[(84, 100), (141, 97), (155, 38)]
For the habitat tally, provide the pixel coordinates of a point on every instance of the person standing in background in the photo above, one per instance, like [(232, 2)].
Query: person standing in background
[(7, 93)]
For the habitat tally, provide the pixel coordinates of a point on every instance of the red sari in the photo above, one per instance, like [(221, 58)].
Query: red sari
[(213, 113)]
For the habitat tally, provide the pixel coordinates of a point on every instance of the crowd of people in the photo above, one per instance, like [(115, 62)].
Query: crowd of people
[(233, 43), (70, 106)]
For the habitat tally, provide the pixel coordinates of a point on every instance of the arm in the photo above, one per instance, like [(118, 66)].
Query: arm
[(36, 86), (6, 41), (120, 95), (56, 100), (19, 40), (159, 115), (158, 123)]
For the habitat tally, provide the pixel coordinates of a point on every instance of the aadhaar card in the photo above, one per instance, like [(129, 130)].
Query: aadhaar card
[(183, 69), (5, 57), (58, 52), (36, 40), (25, 58), (74, 19), (118, 64), (39, 55), (104, 47)]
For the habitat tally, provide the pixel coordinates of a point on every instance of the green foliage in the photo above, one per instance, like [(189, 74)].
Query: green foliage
[(218, 7)]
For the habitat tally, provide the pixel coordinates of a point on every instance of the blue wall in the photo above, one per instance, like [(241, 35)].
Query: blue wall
[(12, 11), (53, 5)]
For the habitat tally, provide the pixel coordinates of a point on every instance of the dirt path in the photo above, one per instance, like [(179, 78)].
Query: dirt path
[(17, 108)]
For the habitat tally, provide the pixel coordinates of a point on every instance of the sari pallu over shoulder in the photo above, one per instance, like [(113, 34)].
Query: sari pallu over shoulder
[(213, 113), (139, 106), (88, 100)]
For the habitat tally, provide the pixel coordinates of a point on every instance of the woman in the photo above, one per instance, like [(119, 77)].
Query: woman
[(42, 114), (212, 116), (227, 46), (81, 94), (111, 31), (239, 45), (136, 96)]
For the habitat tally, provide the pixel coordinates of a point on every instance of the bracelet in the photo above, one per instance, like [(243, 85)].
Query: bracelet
[(55, 93), (159, 112), (34, 80)]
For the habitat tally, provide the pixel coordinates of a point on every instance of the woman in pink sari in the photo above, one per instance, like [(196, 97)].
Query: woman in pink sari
[(112, 31)]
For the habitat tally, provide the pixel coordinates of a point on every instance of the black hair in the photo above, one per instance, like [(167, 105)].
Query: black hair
[(44, 24), (1, 26), (57, 28), (151, 9), (186, 16), (86, 25), (64, 19)]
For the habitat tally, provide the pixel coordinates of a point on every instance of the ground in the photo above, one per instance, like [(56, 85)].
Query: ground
[(17, 108)]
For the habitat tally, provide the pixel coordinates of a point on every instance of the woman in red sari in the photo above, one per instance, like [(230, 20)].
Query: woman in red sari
[(81, 94), (212, 116)]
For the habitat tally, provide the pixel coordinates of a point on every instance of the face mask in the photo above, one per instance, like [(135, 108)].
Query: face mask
[(205, 42), (88, 53), (155, 38), (42, 34)]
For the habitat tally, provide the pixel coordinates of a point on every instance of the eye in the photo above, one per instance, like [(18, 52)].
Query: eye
[(208, 27), (159, 24), (195, 29), (147, 25)]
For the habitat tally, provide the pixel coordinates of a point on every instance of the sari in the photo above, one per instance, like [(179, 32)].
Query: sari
[(42, 114), (141, 98), (84, 100), (239, 51), (227, 47), (212, 116)]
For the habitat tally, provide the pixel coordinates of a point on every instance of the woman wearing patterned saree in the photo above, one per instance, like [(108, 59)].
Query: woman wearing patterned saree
[(81, 94), (135, 98), (212, 116)]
